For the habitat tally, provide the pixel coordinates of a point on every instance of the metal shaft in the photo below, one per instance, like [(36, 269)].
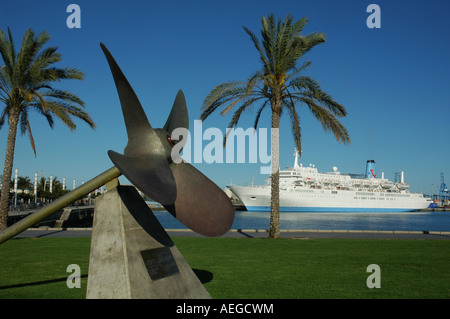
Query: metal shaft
[(60, 203)]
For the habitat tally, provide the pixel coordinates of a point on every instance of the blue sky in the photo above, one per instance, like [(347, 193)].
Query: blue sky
[(393, 81)]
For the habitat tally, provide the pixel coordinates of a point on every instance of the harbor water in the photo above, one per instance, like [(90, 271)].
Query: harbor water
[(414, 221)]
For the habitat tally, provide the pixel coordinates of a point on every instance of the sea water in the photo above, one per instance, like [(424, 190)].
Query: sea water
[(414, 221)]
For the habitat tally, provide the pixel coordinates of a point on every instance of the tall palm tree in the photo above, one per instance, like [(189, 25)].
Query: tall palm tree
[(280, 86), (26, 84)]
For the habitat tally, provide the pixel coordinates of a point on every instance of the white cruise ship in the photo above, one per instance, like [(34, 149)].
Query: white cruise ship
[(304, 189)]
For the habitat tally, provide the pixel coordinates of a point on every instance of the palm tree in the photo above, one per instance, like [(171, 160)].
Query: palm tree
[(280, 86), (24, 183), (42, 189), (26, 84)]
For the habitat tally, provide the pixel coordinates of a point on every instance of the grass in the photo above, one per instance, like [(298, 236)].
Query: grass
[(234, 268), (36, 267)]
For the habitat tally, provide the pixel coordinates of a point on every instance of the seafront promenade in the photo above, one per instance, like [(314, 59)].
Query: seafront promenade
[(256, 233), (76, 221)]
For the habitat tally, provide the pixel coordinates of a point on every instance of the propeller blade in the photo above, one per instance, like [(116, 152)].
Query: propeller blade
[(200, 205), (178, 116), (151, 175), (139, 130)]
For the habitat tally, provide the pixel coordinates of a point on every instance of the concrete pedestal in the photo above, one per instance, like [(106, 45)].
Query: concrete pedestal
[(132, 256)]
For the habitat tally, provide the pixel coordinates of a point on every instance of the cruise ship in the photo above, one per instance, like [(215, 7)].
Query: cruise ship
[(305, 189)]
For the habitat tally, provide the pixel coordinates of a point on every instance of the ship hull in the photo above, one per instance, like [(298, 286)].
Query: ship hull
[(257, 199)]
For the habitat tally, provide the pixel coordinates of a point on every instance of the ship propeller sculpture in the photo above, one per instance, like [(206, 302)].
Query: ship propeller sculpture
[(184, 191)]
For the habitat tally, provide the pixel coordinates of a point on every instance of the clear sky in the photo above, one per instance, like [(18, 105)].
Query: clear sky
[(394, 81)]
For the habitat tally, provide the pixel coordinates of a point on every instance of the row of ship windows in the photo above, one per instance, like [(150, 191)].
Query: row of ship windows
[(356, 197), (358, 193), (384, 194)]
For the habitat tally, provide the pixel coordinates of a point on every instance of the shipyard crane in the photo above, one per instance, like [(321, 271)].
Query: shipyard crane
[(443, 191)]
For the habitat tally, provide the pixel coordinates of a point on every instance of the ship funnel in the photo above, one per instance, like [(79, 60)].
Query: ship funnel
[(296, 159), (370, 169)]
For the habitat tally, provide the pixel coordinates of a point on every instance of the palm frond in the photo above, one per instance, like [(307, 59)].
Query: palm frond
[(328, 120), (268, 33), (12, 50), (41, 99), (258, 47), (311, 40), (69, 74), (311, 88), (237, 115), (64, 111), (5, 86), (220, 95), (284, 35), (250, 85), (258, 114), (299, 25), (79, 113), (63, 95), (25, 56), (7, 51), (295, 122), (59, 109), (38, 108), (244, 107), (26, 128), (295, 71), (46, 58), (3, 117)]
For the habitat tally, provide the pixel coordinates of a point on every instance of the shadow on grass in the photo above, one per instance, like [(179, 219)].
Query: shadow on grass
[(244, 234), (37, 283), (203, 275), (49, 234)]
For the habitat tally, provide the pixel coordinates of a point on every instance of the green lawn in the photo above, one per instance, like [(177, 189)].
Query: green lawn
[(250, 268)]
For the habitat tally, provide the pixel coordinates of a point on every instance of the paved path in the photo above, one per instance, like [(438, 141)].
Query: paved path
[(253, 233)]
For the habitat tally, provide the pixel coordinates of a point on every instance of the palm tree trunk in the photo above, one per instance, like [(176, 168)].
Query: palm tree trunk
[(274, 231), (7, 170)]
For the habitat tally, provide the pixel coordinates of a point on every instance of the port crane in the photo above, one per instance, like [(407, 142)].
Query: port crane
[(443, 190)]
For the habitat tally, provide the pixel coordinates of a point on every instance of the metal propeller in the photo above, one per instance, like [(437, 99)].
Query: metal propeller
[(184, 191)]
